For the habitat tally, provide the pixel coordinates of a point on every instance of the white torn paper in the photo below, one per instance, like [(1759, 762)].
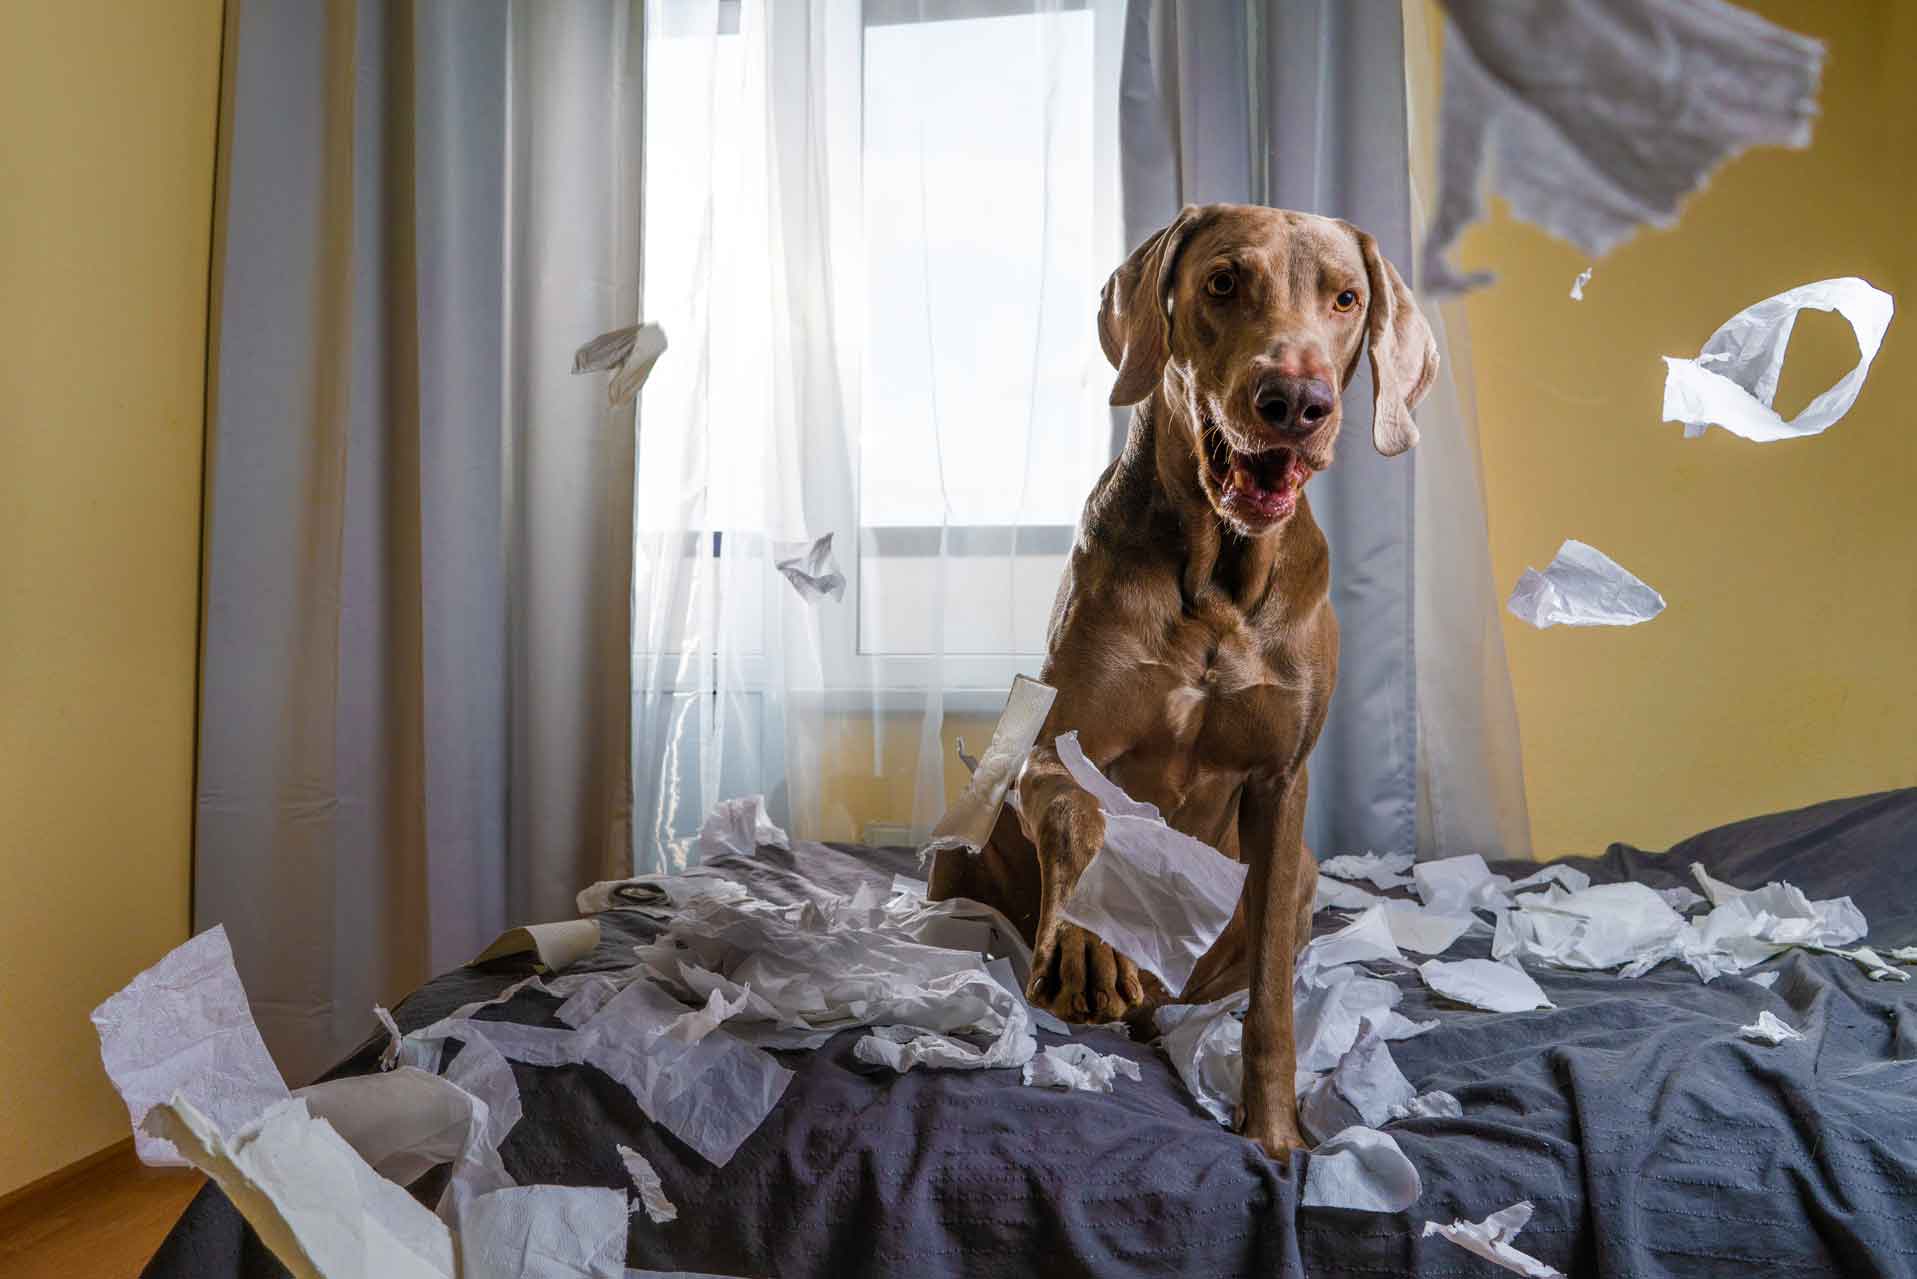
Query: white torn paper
[(1872, 963), (1429, 1105), (1569, 878), (1383, 870), (308, 1195), (1153, 894), (1491, 1239), (545, 1232), (811, 568), (1335, 894), (1766, 980), (405, 1122), (968, 823), (1365, 939), (629, 352), (1601, 927), (1484, 983), (1577, 285), (1769, 1029), (1733, 380), (1582, 587), (652, 1191), (1205, 1043), (1578, 140), (1453, 885), (1905, 954), (1361, 1169), (183, 1028), (1079, 1068), (1361, 1091), (1428, 932), (1680, 899), (559, 945), (739, 826), (1330, 1007)]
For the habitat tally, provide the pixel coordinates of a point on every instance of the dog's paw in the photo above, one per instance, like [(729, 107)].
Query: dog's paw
[(1277, 1135), (1080, 978)]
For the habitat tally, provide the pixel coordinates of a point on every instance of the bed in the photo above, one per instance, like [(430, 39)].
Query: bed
[(1651, 1138)]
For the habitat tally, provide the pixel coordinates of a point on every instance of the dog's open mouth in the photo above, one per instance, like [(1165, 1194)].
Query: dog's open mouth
[(1258, 488)]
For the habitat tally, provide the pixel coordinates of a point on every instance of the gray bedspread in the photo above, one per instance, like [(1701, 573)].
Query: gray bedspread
[(1650, 1137)]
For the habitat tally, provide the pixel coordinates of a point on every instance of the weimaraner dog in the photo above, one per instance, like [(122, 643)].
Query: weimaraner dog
[(1192, 643)]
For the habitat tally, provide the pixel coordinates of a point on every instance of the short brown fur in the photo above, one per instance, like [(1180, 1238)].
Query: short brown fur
[(1192, 643)]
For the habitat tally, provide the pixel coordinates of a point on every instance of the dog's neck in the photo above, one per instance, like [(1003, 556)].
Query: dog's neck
[(1219, 560)]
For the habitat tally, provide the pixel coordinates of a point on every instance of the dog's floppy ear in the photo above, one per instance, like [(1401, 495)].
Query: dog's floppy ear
[(1404, 355), (1134, 315)]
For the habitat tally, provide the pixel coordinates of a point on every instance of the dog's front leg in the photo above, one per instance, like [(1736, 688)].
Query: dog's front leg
[(1270, 832), (1074, 974)]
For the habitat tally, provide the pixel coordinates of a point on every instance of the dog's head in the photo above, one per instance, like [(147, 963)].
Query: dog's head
[(1252, 319)]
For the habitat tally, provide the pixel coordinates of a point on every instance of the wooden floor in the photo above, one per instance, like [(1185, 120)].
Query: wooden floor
[(104, 1221)]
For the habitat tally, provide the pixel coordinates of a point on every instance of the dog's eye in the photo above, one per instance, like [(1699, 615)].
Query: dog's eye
[(1221, 283), (1346, 300)]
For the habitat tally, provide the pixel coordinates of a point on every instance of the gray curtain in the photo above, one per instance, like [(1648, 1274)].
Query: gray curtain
[(1302, 104), (415, 689)]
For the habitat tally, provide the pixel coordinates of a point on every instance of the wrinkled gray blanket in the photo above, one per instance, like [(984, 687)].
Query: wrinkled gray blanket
[(1652, 1139)]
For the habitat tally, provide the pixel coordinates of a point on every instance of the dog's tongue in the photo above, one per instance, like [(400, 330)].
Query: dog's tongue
[(1263, 483)]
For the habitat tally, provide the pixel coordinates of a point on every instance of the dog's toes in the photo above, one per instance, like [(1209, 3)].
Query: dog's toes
[(1072, 1002), (1108, 1001), (1130, 988)]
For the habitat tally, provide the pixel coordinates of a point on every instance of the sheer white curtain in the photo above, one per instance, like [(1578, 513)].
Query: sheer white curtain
[(875, 235)]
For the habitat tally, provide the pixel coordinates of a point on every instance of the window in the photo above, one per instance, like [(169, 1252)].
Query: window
[(968, 155)]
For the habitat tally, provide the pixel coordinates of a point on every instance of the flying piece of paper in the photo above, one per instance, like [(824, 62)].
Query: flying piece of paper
[(968, 823), (629, 352), (812, 569), (1583, 587)]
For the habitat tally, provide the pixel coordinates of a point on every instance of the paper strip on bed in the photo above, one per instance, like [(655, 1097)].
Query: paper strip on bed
[(1153, 894), (1491, 1239), (968, 823), (558, 945), (545, 1232), (314, 1202)]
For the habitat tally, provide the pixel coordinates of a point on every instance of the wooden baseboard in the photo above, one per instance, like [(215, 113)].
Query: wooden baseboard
[(60, 1176)]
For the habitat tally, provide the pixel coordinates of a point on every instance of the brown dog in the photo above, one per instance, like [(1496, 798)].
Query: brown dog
[(1193, 644)]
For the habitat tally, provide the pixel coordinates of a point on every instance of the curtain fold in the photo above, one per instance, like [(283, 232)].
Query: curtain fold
[(417, 571), (1303, 104)]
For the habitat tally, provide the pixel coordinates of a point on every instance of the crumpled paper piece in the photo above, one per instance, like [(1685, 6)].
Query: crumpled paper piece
[(1769, 1029), (1601, 927), (1872, 963), (1484, 983), (968, 823), (1078, 1068), (811, 568), (558, 945), (545, 1232), (1733, 380), (1566, 110), (1335, 894), (1491, 1239), (1360, 1091), (1428, 932), (1151, 893), (310, 1197), (630, 352), (1569, 878), (1361, 1169), (740, 826), (1366, 939), (406, 1122), (1329, 1010), (1453, 885), (1382, 870), (652, 1191), (1582, 587), (1746, 927), (1577, 285), (1205, 1043), (711, 1093), (183, 1028)]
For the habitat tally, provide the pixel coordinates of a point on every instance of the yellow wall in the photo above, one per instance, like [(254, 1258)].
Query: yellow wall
[(1784, 670), (106, 198)]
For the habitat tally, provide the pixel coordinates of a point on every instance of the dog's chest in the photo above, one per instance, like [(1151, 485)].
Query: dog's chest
[(1221, 701)]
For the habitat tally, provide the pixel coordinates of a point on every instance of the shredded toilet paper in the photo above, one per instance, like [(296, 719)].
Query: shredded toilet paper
[(1582, 587), (811, 568), (1733, 380), (1078, 1068), (1491, 1239), (1153, 894)]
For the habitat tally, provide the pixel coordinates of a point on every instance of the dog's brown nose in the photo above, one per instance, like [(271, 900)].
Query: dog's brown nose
[(1295, 404)]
